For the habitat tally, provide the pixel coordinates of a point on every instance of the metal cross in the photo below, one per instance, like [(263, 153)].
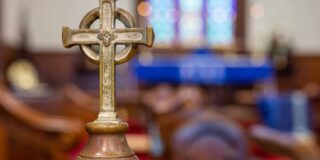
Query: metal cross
[(107, 36)]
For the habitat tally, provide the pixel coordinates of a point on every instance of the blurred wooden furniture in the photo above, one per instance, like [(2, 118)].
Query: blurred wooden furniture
[(31, 134), (300, 147), (79, 102), (209, 136), (3, 139), (191, 131)]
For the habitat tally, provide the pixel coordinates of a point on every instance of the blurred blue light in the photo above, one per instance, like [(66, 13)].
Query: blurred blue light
[(220, 24), (191, 5), (219, 20), (163, 20)]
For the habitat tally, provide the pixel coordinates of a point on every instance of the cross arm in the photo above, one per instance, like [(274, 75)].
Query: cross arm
[(71, 37), (135, 36)]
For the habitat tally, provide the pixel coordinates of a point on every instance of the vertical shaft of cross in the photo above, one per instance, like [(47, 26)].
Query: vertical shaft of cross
[(107, 64), (107, 82), (107, 9)]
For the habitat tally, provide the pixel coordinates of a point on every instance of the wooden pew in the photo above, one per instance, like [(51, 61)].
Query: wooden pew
[(31, 134), (79, 103), (300, 147)]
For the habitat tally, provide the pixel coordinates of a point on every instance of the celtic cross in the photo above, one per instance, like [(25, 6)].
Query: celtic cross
[(107, 37)]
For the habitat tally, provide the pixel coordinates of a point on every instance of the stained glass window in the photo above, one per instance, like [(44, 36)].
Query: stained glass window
[(220, 22), (190, 22), (194, 23), (163, 20)]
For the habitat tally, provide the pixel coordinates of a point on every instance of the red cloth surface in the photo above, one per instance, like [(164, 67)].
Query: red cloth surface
[(266, 156)]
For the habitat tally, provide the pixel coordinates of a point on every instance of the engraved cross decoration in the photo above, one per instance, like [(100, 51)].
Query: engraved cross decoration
[(107, 36)]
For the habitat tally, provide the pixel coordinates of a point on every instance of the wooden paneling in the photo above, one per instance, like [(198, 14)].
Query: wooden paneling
[(241, 25), (57, 68), (1, 14), (1, 37), (306, 71)]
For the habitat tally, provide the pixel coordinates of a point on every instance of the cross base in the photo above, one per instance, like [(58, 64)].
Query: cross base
[(108, 118), (107, 142)]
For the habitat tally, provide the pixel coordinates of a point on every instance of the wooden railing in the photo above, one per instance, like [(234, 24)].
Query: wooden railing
[(30, 134)]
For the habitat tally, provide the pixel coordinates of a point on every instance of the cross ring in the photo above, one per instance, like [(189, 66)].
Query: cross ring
[(124, 17)]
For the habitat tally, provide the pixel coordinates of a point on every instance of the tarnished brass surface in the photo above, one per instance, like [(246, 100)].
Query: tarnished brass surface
[(107, 142), (107, 37), (107, 132)]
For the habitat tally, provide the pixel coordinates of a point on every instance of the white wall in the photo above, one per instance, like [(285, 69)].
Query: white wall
[(46, 19), (298, 20)]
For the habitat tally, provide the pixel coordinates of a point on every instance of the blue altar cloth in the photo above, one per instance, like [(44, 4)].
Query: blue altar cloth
[(204, 69)]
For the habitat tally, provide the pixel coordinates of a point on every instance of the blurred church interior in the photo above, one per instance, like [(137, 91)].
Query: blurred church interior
[(225, 80)]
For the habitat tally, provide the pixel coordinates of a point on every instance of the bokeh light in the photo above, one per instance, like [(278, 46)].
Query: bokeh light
[(144, 9), (257, 11)]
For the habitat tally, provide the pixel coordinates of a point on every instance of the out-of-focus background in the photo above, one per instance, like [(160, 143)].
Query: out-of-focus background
[(226, 79)]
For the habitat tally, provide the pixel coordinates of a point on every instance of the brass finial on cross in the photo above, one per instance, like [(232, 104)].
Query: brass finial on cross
[(107, 36)]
